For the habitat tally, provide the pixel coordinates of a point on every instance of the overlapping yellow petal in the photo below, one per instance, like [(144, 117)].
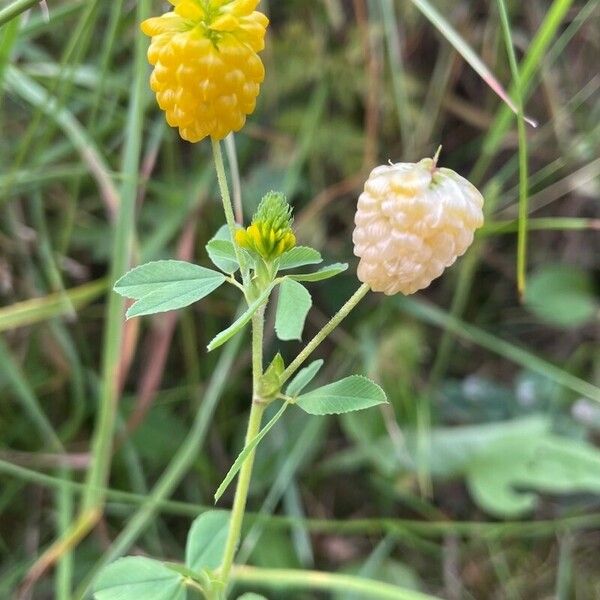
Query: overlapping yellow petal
[(207, 72)]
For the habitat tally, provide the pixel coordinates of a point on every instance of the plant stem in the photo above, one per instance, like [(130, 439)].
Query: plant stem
[(316, 580), (227, 206), (258, 326), (333, 323), (235, 178), (254, 421), (241, 493)]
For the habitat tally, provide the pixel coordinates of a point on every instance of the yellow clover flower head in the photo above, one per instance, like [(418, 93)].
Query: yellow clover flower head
[(270, 234), (412, 221), (207, 72)]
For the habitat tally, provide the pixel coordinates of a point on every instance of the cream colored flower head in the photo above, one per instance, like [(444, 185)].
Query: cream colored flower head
[(412, 221)]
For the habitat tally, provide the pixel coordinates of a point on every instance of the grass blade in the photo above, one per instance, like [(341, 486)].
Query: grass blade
[(523, 170), (36, 95), (28, 399), (15, 9), (121, 256), (529, 67), (435, 316), (37, 310), (459, 44)]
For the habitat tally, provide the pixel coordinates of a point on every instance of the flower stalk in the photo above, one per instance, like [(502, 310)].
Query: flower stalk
[(341, 314), (227, 205), (254, 421)]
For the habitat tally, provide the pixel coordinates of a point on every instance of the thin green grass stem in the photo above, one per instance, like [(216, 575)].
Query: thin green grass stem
[(398, 73), (372, 526), (121, 255), (540, 224), (536, 53), (92, 502), (522, 134), (64, 569), (520, 356), (236, 182), (15, 9)]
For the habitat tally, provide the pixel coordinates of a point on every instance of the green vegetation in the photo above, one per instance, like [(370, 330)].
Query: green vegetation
[(473, 470)]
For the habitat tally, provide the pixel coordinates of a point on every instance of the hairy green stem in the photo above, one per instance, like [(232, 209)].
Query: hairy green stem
[(258, 327), (319, 337), (241, 493), (258, 406), (256, 413)]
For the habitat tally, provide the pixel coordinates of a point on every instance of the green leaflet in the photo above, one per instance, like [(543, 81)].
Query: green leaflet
[(292, 307), (323, 273), (241, 322), (304, 377), (166, 285), (346, 395), (299, 256), (252, 444), (222, 254), (136, 577), (206, 540)]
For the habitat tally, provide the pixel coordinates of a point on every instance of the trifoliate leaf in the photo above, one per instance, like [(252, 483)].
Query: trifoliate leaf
[(166, 285)]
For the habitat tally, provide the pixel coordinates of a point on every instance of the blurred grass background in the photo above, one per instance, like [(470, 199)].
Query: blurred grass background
[(474, 375)]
